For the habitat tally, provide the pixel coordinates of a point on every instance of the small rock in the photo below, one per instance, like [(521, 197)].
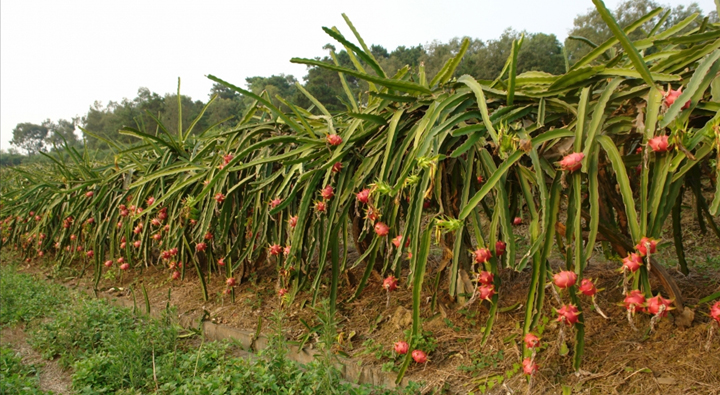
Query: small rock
[(401, 319), (685, 318)]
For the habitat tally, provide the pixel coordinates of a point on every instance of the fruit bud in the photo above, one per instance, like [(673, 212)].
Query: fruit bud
[(659, 143), (275, 249), (486, 292), (500, 247), (363, 196), (486, 278), (381, 229), (632, 262), (327, 193), (419, 356), (529, 367), (572, 162), (569, 314), (587, 287), (531, 341), (402, 347), (482, 255), (334, 139), (565, 279), (390, 283)]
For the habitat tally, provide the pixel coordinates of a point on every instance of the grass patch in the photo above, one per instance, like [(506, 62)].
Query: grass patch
[(24, 298), (113, 350), (16, 377)]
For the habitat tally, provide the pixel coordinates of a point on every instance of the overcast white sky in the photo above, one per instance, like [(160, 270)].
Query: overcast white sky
[(58, 57)]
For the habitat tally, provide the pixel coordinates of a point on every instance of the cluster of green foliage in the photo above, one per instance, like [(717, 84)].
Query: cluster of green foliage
[(17, 378), (24, 298), (113, 350), (417, 158)]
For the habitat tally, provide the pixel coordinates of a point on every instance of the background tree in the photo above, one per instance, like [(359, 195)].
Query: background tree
[(29, 137), (592, 27)]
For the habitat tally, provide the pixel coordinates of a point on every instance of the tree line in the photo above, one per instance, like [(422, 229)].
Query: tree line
[(484, 60)]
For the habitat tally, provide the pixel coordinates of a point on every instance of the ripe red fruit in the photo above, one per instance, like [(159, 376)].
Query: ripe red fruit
[(219, 198), (531, 341), (632, 262), (641, 247), (200, 246), (419, 356), (123, 245), (41, 254), (486, 292), (327, 193), (138, 229), (659, 143), (390, 283), (334, 139), (89, 194), (208, 236), (654, 305), (482, 255), (73, 237), (715, 312), (480, 179), (320, 207), (397, 240), (293, 221), (173, 251), (427, 204), (227, 158), (90, 254), (565, 279), (275, 202), (155, 222), (231, 282), (157, 236), (79, 248), (363, 196), (568, 314), (108, 263), (176, 275), (125, 266), (529, 367), (286, 250), (635, 299), (517, 221), (672, 95), (221, 262), (587, 287), (572, 162), (381, 229), (500, 247), (337, 167), (486, 278), (150, 201), (38, 218), (282, 292), (163, 214), (275, 249), (121, 260), (137, 243), (402, 347), (124, 213), (372, 214), (90, 220)]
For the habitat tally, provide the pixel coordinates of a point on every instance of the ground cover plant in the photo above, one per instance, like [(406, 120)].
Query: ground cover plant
[(109, 349), (599, 156)]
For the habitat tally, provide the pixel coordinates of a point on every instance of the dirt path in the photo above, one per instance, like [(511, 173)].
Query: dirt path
[(52, 377)]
